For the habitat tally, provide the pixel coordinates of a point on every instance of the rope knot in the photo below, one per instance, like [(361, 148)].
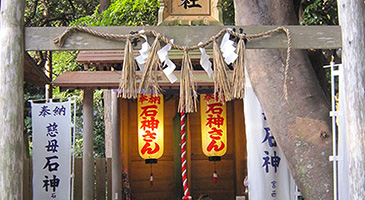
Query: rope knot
[(158, 35), (242, 36)]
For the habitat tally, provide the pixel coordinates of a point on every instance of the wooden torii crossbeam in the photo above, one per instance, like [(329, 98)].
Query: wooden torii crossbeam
[(303, 37), (41, 39)]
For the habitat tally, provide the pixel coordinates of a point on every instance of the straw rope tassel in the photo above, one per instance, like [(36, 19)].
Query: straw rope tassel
[(222, 86), (183, 155), (188, 94), (128, 84), (149, 82), (239, 71)]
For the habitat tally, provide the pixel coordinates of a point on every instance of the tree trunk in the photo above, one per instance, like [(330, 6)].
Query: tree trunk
[(298, 123), (352, 20), (11, 99), (49, 73), (104, 4)]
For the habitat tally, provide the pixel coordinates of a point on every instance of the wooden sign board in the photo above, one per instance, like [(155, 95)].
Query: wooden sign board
[(190, 12)]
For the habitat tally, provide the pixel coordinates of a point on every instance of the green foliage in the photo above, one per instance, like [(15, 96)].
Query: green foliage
[(123, 13), (131, 13), (228, 12), (56, 13), (31, 92), (65, 61), (99, 125), (319, 12), (78, 147)]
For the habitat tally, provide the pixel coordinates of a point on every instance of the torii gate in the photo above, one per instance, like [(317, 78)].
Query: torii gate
[(41, 39)]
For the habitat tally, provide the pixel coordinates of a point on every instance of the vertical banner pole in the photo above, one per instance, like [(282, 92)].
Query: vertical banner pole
[(73, 140), (183, 155)]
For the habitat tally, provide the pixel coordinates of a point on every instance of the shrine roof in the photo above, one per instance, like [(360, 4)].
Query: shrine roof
[(107, 57), (111, 79), (32, 73)]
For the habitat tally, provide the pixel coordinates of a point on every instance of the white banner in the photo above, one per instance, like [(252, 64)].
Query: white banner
[(51, 125), (268, 174)]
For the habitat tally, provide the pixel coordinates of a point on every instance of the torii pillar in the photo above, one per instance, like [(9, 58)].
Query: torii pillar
[(11, 109)]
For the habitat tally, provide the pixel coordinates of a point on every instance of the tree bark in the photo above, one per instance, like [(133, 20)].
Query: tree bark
[(49, 73), (11, 99), (104, 4), (352, 20), (299, 122)]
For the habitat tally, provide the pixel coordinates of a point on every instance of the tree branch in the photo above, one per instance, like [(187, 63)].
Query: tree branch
[(33, 13)]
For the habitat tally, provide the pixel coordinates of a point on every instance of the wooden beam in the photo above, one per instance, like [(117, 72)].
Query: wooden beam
[(303, 37), (111, 79), (240, 153), (124, 132)]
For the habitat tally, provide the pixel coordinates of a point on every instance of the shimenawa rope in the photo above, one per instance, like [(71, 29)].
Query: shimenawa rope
[(151, 81)]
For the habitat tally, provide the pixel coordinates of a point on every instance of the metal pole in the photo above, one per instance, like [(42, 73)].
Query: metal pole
[(334, 115), (88, 159), (116, 159), (334, 129)]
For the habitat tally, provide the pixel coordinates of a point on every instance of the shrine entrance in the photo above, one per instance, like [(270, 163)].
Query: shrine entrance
[(167, 179), (167, 183)]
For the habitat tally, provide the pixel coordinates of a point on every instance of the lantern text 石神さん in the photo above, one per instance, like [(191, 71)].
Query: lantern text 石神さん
[(213, 125), (150, 126)]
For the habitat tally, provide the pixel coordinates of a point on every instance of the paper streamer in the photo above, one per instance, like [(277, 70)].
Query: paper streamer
[(142, 58), (163, 54), (205, 62), (228, 49)]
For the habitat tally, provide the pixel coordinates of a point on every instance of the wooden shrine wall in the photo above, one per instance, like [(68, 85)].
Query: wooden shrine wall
[(202, 170), (167, 182)]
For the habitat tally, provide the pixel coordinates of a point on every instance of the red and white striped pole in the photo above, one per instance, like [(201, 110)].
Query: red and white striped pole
[(183, 155)]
